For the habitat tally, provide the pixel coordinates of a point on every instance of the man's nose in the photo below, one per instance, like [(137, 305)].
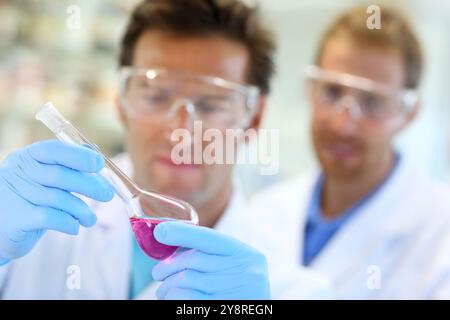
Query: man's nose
[(181, 114), (347, 115), (351, 105)]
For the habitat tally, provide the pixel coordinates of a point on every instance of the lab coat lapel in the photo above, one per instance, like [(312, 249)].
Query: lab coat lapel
[(353, 245), (291, 241), (103, 254), (285, 212), (235, 219), (115, 251), (109, 243)]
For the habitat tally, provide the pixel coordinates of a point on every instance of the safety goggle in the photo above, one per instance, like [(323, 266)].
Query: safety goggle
[(159, 92), (364, 98)]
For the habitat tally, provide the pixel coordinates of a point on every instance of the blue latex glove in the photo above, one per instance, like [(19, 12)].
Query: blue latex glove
[(217, 267), (35, 193)]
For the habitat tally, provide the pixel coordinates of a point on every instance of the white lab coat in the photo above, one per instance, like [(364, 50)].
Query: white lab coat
[(396, 247), (96, 263)]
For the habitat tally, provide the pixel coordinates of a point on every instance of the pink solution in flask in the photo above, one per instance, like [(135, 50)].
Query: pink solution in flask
[(143, 229)]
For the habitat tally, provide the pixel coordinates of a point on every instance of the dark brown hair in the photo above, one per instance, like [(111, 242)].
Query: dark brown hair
[(395, 33), (231, 19)]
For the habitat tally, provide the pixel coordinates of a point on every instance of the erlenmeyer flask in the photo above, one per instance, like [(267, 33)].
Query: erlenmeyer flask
[(145, 209)]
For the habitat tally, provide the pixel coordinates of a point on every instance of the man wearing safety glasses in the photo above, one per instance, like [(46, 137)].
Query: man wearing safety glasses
[(182, 61), (369, 221)]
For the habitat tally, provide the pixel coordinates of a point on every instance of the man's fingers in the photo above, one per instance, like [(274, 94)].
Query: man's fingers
[(183, 294), (55, 198), (51, 219), (201, 238), (207, 283), (193, 260), (64, 178), (72, 156)]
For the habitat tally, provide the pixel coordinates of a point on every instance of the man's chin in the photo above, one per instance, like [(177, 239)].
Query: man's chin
[(183, 192), (183, 176), (340, 169)]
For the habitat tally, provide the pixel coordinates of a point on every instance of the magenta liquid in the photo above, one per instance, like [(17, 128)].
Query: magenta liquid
[(143, 230)]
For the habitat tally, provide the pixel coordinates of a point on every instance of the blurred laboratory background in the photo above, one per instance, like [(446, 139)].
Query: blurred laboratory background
[(45, 56)]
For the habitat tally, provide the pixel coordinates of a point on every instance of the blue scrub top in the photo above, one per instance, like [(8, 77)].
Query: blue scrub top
[(141, 270), (319, 229)]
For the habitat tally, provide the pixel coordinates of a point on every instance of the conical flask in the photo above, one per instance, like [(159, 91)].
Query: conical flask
[(145, 208)]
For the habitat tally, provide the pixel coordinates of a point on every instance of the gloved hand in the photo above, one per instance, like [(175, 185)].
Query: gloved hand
[(35, 193), (217, 266)]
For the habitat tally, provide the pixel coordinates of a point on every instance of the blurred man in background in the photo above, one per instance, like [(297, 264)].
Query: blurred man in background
[(369, 221)]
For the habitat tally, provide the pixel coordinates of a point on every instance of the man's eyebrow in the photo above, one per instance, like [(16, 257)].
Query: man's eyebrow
[(153, 85), (218, 96)]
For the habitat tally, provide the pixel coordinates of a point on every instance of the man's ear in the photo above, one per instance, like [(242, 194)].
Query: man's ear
[(416, 109), (257, 119), (259, 113), (119, 111), (411, 115)]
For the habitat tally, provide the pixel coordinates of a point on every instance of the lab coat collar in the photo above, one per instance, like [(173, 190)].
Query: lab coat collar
[(381, 219), (417, 193), (235, 210), (406, 178)]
